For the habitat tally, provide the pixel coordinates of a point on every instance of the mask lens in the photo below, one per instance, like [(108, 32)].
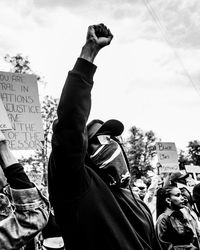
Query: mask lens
[(104, 139)]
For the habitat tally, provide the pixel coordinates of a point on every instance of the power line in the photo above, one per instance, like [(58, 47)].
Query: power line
[(164, 34)]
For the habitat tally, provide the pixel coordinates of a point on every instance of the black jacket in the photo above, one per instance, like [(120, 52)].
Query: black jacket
[(90, 214)]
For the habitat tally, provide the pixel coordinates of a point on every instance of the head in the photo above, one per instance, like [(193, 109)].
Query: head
[(196, 195), (170, 197), (106, 153), (178, 177), (188, 200), (142, 188)]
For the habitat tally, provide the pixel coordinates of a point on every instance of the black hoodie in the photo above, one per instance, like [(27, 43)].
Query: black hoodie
[(91, 215)]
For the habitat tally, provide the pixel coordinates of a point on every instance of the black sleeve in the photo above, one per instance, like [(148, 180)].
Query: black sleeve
[(17, 178), (69, 141), (51, 229)]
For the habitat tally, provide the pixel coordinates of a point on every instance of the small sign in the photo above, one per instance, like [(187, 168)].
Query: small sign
[(167, 157), (194, 171)]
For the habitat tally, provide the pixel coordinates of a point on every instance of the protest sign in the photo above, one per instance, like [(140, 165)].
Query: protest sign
[(167, 157), (4, 120), (19, 94), (194, 171)]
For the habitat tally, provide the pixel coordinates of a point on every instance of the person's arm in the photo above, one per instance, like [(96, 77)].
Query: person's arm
[(23, 210), (13, 171), (151, 190), (167, 180), (69, 140)]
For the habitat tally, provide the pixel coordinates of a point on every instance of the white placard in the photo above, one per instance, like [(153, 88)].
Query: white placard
[(19, 94), (167, 157), (192, 169)]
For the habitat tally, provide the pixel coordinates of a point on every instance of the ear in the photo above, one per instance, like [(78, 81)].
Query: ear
[(168, 200)]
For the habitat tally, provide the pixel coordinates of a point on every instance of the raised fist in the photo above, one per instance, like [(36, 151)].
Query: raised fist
[(99, 34)]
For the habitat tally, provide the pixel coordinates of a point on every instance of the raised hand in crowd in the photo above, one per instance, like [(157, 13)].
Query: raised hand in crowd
[(23, 210)]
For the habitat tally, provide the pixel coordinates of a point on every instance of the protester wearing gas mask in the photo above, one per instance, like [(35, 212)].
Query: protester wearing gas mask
[(88, 169)]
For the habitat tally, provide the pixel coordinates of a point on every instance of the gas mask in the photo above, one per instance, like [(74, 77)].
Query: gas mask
[(110, 161)]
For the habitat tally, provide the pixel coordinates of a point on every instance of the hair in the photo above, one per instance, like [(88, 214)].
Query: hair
[(162, 194)]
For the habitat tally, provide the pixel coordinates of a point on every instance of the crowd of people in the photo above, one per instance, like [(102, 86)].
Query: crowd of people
[(91, 204)]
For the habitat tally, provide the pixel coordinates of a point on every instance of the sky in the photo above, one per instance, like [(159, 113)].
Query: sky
[(148, 77)]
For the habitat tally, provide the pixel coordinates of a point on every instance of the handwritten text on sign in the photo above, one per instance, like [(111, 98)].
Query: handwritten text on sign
[(19, 93), (4, 120), (167, 156)]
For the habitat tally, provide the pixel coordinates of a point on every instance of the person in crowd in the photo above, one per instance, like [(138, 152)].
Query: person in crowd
[(196, 201), (151, 195), (24, 211), (176, 178), (142, 188), (190, 210), (173, 228), (196, 196), (190, 203), (88, 171)]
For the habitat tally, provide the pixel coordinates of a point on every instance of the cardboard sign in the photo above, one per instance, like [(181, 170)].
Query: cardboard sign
[(4, 120), (194, 171), (167, 157), (19, 94)]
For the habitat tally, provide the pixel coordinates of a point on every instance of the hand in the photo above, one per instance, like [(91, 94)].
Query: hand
[(6, 157), (98, 36)]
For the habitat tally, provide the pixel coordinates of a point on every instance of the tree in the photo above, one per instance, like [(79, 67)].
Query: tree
[(183, 159), (140, 151), (49, 114), (38, 161), (194, 152), (20, 64)]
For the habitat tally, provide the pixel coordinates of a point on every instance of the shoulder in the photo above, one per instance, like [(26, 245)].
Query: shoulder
[(162, 219)]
